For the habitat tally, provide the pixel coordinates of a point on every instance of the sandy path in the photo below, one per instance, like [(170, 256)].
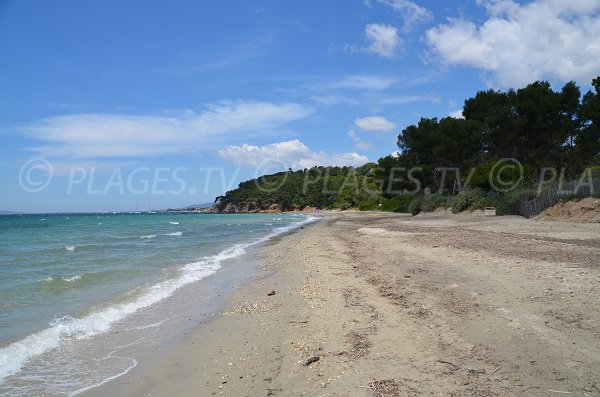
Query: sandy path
[(399, 306)]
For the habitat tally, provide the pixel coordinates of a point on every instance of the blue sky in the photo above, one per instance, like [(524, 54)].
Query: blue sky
[(134, 105)]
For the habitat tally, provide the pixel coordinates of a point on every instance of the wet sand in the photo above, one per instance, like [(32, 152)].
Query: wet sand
[(401, 306)]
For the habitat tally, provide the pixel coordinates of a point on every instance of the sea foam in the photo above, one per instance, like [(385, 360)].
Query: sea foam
[(68, 279), (13, 356), (16, 354)]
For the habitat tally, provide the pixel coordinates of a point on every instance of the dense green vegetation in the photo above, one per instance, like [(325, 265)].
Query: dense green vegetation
[(535, 126), (320, 187)]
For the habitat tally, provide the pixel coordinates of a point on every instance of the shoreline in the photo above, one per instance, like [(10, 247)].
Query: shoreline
[(138, 326), (249, 297), (403, 306)]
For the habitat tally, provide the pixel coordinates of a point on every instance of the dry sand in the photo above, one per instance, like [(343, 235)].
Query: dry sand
[(585, 210), (402, 306)]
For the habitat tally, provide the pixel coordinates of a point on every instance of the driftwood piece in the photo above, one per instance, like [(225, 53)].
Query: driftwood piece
[(311, 360)]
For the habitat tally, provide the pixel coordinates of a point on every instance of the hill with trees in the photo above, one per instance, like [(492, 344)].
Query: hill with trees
[(317, 187), (535, 126)]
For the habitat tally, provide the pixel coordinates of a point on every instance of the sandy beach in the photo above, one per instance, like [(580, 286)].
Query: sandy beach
[(393, 305)]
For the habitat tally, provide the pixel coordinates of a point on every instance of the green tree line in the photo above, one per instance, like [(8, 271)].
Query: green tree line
[(319, 187), (535, 125)]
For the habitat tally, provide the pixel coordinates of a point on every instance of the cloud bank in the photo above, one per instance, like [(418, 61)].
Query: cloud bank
[(91, 135), (290, 154), (520, 43)]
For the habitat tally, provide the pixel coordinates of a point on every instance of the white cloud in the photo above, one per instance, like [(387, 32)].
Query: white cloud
[(360, 82), (91, 135), (457, 114), (412, 13), (290, 154), (404, 99), (358, 142), (374, 123), (335, 99), (543, 39), (383, 39)]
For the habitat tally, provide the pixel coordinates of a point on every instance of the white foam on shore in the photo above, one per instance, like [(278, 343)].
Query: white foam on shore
[(70, 248), (153, 325), (17, 354), (174, 223), (149, 236), (174, 234), (134, 364)]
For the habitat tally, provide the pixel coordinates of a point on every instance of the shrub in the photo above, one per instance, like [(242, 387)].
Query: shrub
[(379, 203), (433, 202), (368, 205), (389, 204), (508, 203), (403, 203), (426, 203), (414, 207), (469, 200), (343, 205)]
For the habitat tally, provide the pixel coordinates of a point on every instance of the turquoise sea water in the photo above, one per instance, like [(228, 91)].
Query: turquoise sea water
[(68, 279)]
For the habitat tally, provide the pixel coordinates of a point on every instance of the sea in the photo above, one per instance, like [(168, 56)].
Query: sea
[(80, 292)]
